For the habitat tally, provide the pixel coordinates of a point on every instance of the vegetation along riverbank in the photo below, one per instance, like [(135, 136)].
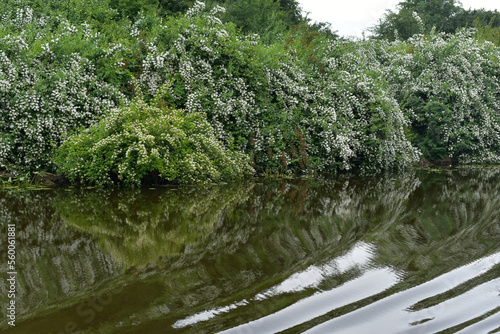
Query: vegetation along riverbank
[(130, 92)]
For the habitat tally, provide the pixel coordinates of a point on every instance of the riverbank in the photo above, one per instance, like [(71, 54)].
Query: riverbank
[(43, 179)]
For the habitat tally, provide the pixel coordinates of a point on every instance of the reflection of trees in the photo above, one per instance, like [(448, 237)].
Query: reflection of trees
[(451, 220), (291, 225), (138, 226), (281, 228), (53, 263), (59, 266), (209, 247)]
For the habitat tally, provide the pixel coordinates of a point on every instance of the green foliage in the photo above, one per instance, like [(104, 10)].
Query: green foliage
[(401, 25), (256, 16), (130, 8), (145, 141), (171, 7), (475, 18), (435, 13), (488, 32), (49, 84), (24, 181), (442, 15), (294, 100), (449, 88), (308, 105), (268, 19), (48, 14)]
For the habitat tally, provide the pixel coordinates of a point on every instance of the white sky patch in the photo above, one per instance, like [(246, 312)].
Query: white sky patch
[(351, 18)]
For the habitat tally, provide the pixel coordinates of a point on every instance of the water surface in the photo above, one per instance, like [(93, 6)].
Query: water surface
[(417, 252)]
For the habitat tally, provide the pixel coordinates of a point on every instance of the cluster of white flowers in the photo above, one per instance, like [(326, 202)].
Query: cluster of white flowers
[(23, 17), (70, 29), (449, 85), (209, 85), (197, 9), (275, 104), (43, 94), (134, 141)]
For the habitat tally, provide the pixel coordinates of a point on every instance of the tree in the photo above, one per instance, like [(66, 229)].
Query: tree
[(433, 13), (293, 10), (269, 18), (443, 15), (489, 32), (401, 25), (467, 18), (255, 16)]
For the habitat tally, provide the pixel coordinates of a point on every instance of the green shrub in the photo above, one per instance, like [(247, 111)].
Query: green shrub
[(307, 105), (143, 141), (449, 88), (49, 84)]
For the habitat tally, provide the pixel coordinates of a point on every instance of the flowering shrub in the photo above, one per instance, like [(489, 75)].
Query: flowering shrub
[(48, 86), (344, 107), (306, 104), (449, 88), (139, 141), (289, 114)]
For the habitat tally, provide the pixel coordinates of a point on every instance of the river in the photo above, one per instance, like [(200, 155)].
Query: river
[(413, 252)]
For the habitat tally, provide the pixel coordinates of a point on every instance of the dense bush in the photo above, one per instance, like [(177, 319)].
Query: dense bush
[(49, 84), (142, 141), (312, 105), (449, 88), (304, 104)]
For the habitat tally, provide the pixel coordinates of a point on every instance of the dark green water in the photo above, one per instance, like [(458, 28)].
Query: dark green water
[(408, 253)]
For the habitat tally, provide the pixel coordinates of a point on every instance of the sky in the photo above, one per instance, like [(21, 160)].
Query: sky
[(352, 17)]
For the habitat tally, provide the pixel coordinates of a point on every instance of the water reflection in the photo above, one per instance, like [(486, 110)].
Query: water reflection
[(392, 314), (416, 252), (53, 262), (311, 277), (140, 226)]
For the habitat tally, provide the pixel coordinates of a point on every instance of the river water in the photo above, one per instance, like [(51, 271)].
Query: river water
[(414, 252)]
